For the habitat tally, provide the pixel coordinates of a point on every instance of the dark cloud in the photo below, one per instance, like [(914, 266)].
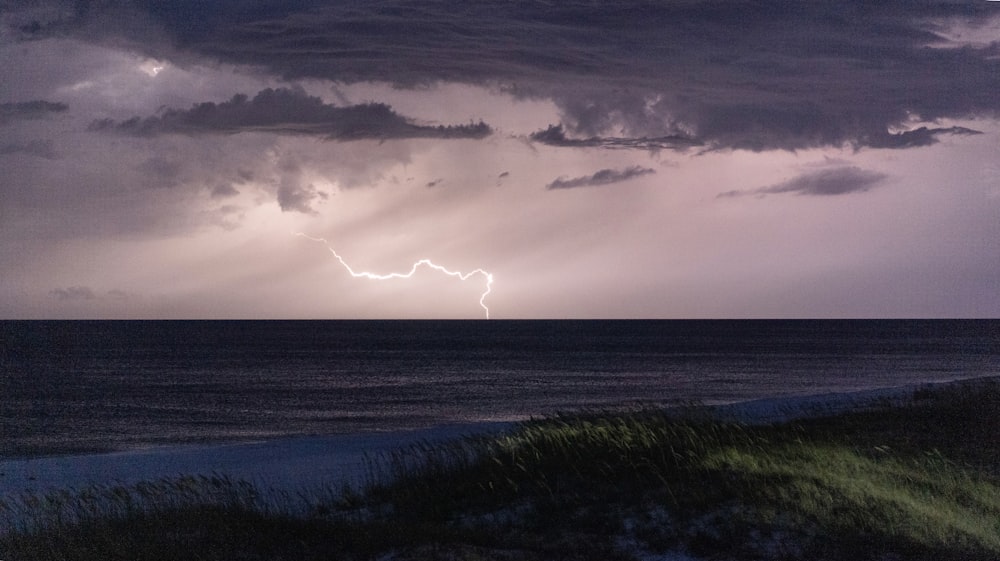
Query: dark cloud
[(85, 293), (160, 172), (288, 111), (39, 148), (747, 75), (223, 191), (74, 293), (795, 125), (603, 177), (776, 124), (36, 109), (297, 197), (554, 135), (825, 182), (922, 136)]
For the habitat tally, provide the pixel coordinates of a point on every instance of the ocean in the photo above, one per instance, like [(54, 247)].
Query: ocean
[(84, 386)]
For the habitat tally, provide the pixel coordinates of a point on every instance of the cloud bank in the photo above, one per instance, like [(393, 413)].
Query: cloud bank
[(38, 148), (603, 177), (554, 135), (922, 136), (35, 109), (827, 182), (288, 111), (732, 75), (74, 293)]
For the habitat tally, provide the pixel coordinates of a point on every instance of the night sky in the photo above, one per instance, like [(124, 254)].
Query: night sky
[(661, 159)]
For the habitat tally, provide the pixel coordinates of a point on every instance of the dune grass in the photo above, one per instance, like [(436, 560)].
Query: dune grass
[(919, 480)]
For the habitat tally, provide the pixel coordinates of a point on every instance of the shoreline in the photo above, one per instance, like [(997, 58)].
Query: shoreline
[(299, 463), (288, 464)]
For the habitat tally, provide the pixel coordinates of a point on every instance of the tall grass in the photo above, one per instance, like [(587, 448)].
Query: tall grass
[(66, 508), (917, 481), (838, 497), (852, 486)]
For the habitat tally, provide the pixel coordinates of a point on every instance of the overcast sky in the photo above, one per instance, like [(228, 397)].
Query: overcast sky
[(660, 159)]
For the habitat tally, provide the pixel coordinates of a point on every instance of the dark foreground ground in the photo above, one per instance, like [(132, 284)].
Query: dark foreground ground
[(917, 478)]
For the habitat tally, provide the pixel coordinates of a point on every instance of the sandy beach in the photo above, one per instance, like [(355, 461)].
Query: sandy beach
[(609, 475), (288, 464), (303, 463)]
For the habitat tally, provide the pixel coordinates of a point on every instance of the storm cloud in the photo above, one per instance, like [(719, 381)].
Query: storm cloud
[(35, 109), (288, 111), (744, 75), (38, 148), (827, 182), (922, 136), (603, 177), (554, 135), (168, 148)]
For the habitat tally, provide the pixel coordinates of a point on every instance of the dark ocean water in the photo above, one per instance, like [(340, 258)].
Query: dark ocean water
[(111, 385)]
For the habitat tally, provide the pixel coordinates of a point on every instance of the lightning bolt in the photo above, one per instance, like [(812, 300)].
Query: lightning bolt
[(413, 269)]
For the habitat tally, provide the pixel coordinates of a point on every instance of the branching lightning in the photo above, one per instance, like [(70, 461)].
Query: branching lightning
[(413, 269)]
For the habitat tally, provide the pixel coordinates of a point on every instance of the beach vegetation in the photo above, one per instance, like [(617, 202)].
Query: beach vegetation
[(918, 478)]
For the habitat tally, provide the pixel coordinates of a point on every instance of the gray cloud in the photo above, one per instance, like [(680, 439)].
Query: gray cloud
[(603, 177), (922, 136), (746, 75), (555, 135), (160, 172), (825, 182), (35, 109), (74, 293), (294, 196), (86, 293), (223, 191), (39, 148), (288, 111)]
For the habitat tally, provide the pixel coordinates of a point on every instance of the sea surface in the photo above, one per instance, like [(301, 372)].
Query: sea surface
[(82, 386)]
